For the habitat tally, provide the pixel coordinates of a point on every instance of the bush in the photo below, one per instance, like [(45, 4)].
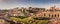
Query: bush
[(21, 17), (29, 20)]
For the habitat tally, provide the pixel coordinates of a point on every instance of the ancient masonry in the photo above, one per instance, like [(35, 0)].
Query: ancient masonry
[(53, 12)]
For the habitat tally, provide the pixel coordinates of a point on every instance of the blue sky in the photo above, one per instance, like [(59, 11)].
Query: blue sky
[(7, 4)]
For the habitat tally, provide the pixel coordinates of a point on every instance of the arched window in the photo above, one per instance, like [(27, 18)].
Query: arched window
[(55, 15), (58, 15), (44, 14), (52, 15), (49, 15)]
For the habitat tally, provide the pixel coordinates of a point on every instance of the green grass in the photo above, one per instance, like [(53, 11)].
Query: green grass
[(29, 20), (21, 17)]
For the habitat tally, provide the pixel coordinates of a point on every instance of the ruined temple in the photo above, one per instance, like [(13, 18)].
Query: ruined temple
[(53, 12)]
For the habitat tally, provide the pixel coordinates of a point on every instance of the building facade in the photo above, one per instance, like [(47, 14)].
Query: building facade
[(52, 12)]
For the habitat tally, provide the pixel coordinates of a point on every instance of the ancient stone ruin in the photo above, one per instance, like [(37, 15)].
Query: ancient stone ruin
[(54, 21)]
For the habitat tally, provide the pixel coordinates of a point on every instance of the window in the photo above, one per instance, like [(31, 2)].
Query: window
[(58, 15), (44, 15), (52, 15), (49, 15), (55, 15)]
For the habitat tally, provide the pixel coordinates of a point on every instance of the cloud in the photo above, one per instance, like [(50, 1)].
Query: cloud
[(1, 1)]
